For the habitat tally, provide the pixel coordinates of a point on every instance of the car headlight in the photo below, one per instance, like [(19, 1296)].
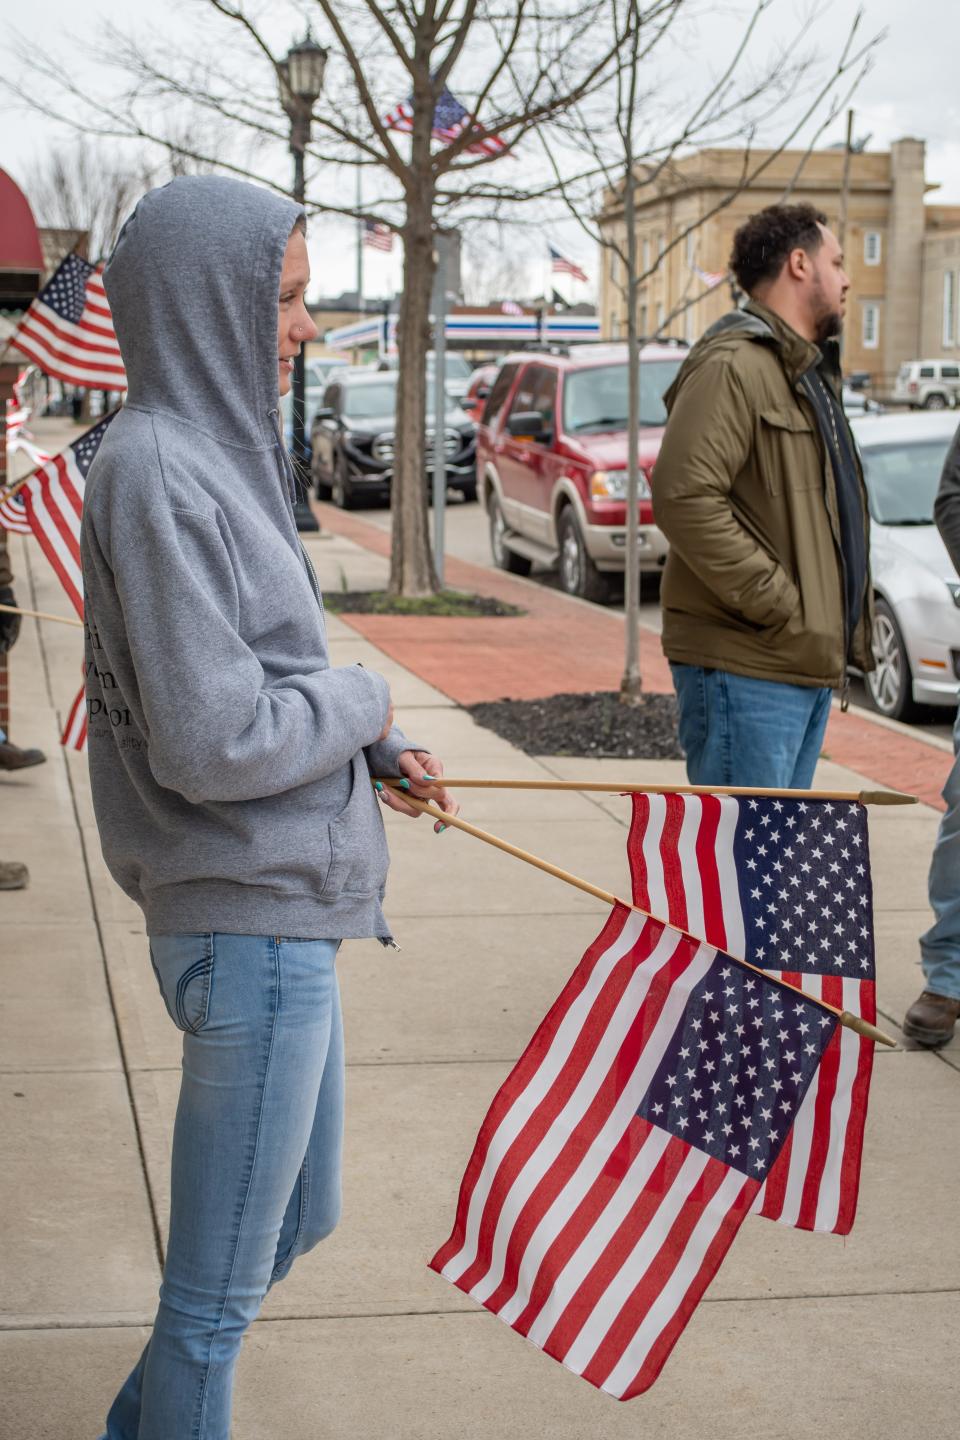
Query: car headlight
[(954, 587), (383, 447), (612, 485)]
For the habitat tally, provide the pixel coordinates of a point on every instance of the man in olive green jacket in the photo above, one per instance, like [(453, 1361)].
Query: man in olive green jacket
[(758, 488)]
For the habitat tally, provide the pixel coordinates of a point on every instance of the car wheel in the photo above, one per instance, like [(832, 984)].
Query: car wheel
[(503, 557), (890, 682), (322, 487), (578, 574), (935, 402), (342, 489)]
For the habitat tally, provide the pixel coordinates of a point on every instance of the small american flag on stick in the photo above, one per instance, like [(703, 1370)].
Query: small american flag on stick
[(377, 236), (450, 119), (626, 1147), (68, 330), (786, 885)]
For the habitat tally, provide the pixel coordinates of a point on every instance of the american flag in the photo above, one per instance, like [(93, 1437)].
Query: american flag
[(561, 264), (53, 499), (709, 277), (13, 515), (450, 119), (68, 329), (626, 1147), (786, 885), (510, 307), (74, 735), (377, 236)]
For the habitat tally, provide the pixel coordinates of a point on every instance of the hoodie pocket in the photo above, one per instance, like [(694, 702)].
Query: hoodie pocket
[(358, 845)]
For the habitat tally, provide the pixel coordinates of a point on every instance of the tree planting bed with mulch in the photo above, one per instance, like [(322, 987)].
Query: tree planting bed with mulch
[(595, 725), (455, 603)]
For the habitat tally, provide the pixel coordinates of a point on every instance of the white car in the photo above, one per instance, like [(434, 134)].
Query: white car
[(916, 633)]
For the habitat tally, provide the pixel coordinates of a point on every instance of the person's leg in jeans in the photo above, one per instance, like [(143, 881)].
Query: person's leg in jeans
[(927, 1021), (736, 730), (262, 1089)]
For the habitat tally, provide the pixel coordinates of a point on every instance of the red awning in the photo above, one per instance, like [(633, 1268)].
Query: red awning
[(19, 240)]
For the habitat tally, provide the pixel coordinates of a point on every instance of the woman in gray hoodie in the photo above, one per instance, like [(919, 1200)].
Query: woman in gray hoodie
[(230, 767)]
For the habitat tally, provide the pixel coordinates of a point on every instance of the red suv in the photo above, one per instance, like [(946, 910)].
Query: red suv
[(552, 462)]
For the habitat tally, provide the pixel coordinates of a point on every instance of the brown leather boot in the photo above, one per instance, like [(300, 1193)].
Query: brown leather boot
[(13, 875), (931, 1019), (13, 758)]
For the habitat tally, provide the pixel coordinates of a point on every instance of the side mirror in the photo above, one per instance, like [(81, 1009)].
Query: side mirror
[(527, 425)]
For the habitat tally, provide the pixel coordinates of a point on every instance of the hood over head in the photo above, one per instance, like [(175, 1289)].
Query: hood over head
[(193, 284)]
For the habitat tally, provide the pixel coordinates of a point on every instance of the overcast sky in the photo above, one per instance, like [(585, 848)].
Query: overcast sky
[(912, 91)]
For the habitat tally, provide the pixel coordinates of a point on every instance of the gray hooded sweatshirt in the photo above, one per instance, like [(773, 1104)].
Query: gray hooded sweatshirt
[(230, 764)]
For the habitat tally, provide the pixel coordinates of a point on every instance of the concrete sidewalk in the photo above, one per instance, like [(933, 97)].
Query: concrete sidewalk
[(799, 1334)]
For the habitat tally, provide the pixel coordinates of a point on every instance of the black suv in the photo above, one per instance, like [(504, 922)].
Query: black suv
[(353, 437)]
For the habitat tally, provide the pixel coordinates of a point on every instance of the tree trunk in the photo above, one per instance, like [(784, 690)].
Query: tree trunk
[(631, 686), (411, 561)]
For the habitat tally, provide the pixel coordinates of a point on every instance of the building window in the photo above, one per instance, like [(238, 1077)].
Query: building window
[(661, 243), (643, 322), (660, 318), (949, 307), (614, 266), (872, 246), (688, 324), (691, 247), (614, 326), (646, 254), (871, 326)]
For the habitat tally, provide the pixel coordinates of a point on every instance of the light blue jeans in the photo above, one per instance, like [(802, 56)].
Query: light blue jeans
[(739, 731), (256, 1162), (940, 946)]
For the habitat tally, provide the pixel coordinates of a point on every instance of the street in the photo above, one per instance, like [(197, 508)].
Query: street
[(467, 538)]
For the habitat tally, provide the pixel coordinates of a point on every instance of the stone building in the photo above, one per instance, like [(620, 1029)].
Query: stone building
[(893, 244)]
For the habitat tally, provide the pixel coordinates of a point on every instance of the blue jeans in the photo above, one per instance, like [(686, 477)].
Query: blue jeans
[(256, 1162), (739, 731), (940, 946)]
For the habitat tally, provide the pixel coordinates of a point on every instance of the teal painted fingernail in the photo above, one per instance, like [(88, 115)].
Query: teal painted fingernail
[(428, 777), (439, 828), (404, 784), (377, 785)]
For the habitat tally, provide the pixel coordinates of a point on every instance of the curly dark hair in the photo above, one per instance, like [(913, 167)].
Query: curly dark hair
[(762, 244)]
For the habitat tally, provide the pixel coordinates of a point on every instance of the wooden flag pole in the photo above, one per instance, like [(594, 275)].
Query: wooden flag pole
[(40, 615), (852, 1022), (862, 797)]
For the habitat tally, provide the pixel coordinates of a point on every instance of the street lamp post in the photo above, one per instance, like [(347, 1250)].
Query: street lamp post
[(301, 80)]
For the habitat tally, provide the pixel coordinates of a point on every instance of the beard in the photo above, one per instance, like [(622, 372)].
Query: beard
[(827, 321)]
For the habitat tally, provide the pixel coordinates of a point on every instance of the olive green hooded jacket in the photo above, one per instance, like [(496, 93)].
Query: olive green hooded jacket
[(744, 491)]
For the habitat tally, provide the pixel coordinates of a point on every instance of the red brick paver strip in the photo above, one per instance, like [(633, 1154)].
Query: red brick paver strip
[(562, 645)]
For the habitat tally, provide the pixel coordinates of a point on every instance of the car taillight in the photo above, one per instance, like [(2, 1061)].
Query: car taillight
[(913, 387)]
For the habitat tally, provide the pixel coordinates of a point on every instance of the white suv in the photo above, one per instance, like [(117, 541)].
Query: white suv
[(928, 384)]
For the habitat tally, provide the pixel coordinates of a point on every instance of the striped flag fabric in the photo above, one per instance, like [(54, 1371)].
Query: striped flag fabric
[(560, 264), (74, 735), (68, 330), (377, 236), (710, 278), (626, 1147), (13, 515), (450, 119), (53, 500), (784, 884)]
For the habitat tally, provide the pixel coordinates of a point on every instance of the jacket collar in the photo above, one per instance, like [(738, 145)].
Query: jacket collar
[(797, 355)]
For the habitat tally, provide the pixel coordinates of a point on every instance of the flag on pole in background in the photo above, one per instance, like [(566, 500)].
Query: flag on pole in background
[(68, 330), (709, 277), (786, 885), (377, 236), (450, 119), (560, 264), (510, 307), (625, 1148), (13, 516)]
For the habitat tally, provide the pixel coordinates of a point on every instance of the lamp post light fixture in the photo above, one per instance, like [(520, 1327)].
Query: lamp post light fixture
[(301, 81)]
